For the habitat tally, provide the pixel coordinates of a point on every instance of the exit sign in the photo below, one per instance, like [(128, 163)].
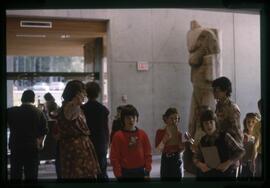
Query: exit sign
[(142, 66)]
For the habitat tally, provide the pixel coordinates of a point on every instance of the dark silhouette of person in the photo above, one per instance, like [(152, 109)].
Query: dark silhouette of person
[(50, 105), (97, 120), (116, 125), (28, 126)]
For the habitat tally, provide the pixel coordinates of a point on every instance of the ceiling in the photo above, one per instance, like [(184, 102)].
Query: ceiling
[(66, 37)]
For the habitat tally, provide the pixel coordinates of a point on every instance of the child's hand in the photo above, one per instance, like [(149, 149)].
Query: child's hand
[(160, 147), (166, 137), (40, 143), (224, 166), (203, 166), (168, 134), (193, 147)]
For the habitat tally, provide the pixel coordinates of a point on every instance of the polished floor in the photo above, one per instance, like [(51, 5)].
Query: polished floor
[(47, 170)]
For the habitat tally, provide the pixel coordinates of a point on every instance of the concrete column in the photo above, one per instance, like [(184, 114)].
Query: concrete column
[(89, 57)]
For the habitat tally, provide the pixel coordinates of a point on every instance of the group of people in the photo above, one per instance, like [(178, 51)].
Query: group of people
[(82, 134), (224, 150)]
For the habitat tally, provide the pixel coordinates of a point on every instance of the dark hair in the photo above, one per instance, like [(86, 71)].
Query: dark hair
[(169, 112), (224, 84), (119, 108), (72, 89), (164, 118), (249, 115), (207, 115), (92, 90), (128, 110), (48, 97), (28, 96)]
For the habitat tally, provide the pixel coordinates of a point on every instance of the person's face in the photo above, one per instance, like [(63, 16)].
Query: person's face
[(209, 127), (250, 123), (79, 98), (130, 121), (219, 94), (173, 119)]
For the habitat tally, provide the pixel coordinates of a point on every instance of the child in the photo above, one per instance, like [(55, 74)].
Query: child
[(248, 163), (223, 144), (258, 142), (130, 153), (169, 142)]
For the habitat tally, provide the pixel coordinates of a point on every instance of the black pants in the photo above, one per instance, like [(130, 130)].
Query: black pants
[(246, 172), (171, 167), (102, 160), (24, 160)]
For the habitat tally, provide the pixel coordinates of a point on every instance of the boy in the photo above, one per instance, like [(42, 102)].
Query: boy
[(227, 150), (130, 153)]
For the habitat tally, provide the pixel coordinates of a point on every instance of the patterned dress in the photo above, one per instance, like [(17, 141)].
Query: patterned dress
[(77, 155)]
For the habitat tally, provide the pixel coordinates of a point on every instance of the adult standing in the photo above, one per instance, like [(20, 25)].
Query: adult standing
[(77, 154), (28, 126), (97, 120), (51, 149), (228, 112)]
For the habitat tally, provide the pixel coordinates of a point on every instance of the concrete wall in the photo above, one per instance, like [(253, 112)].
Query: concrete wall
[(158, 36)]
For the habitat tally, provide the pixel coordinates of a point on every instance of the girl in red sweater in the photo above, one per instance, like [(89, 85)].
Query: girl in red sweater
[(169, 142), (130, 152)]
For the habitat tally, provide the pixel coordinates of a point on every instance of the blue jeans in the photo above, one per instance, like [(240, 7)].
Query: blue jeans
[(171, 166), (134, 173)]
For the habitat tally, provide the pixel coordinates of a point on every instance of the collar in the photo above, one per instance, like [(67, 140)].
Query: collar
[(135, 130), (211, 138), (226, 101)]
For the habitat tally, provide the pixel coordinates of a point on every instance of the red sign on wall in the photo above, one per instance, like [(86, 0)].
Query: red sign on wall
[(142, 66)]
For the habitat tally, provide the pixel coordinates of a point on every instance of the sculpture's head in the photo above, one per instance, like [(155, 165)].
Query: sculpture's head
[(208, 40), (194, 24)]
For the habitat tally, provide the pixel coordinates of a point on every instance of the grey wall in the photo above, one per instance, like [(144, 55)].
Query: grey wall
[(158, 36)]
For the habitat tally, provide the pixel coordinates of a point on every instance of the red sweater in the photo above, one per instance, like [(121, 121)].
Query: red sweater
[(169, 148), (130, 149)]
